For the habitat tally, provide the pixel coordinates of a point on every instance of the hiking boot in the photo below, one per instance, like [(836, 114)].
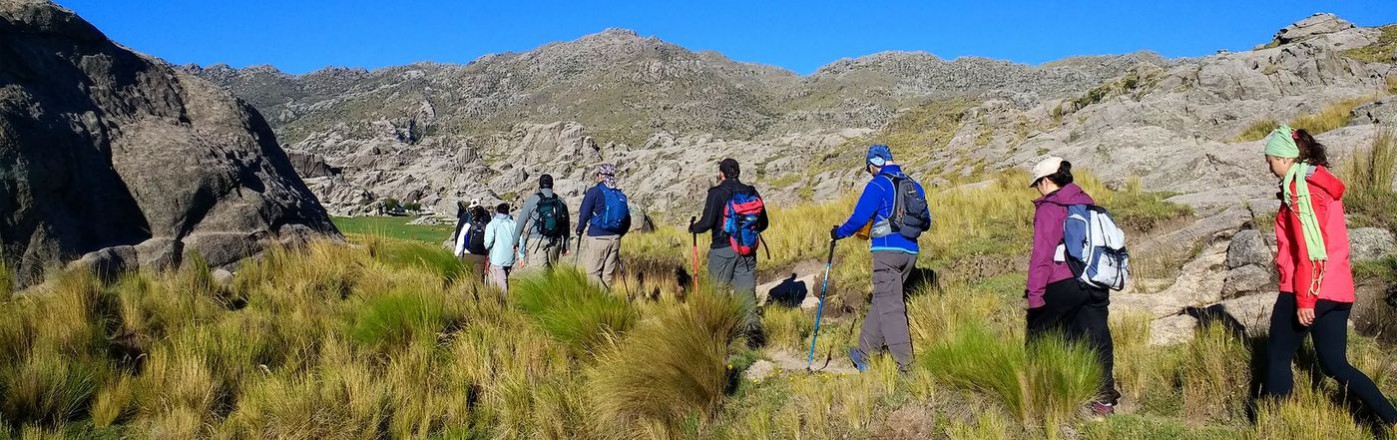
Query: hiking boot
[(857, 358), (1102, 409)]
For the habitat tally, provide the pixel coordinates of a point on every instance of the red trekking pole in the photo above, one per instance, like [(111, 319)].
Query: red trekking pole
[(695, 248)]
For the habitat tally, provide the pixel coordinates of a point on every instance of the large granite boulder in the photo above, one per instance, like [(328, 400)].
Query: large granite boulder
[(112, 155)]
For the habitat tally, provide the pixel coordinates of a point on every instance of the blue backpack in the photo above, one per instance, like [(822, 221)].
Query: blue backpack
[(615, 210), (740, 222)]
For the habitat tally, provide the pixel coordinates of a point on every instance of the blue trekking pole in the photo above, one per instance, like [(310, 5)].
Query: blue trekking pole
[(820, 311)]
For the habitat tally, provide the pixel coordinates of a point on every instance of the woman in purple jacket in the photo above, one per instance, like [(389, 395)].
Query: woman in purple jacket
[(1056, 301)]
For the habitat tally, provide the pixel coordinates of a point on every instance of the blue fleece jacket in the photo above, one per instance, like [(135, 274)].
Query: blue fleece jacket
[(875, 205)]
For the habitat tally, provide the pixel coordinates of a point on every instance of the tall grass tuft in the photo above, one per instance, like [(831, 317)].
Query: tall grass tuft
[(1215, 374), (1369, 173), (1046, 383), (572, 308), (668, 369), (49, 388), (7, 281), (1307, 414), (398, 318)]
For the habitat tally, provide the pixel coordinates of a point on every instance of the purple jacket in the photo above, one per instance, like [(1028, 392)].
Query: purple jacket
[(1048, 220)]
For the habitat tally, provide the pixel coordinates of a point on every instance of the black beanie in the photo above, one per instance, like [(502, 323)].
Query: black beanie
[(729, 168), (545, 181)]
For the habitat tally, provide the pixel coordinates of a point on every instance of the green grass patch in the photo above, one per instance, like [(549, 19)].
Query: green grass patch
[(411, 254), (394, 227), (1380, 52), (1371, 199)]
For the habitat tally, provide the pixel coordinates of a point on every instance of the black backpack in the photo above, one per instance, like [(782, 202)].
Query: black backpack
[(476, 243), (911, 216), (549, 215)]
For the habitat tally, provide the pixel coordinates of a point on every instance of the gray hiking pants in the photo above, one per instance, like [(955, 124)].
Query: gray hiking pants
[(886, 323), (727, 269)]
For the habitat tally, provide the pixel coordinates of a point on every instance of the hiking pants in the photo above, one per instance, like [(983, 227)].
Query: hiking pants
[(541, 253), (886, 322), (476, 266), (1329, 333), (728, 269), (1080, 315), (499, 277), (600, 255)]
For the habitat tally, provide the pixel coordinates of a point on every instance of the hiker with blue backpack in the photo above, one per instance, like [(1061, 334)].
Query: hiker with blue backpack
[(893, 209), (605, 217), (543, 233), (734, 211), (1078, 256)]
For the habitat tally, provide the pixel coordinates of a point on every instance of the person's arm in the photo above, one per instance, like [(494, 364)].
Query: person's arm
[(584, 213), (711, 208), (462, 238), (525, 214), (490, 233), (1047, 233), (864, 211), (1285, 257)]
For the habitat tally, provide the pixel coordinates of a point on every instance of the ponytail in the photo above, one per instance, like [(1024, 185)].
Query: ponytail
[(1311, 151)]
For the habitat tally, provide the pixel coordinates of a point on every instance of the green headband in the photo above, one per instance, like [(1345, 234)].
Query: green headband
[(1281, 143)]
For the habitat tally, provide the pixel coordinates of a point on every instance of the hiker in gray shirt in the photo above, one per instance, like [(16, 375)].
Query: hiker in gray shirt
[(545, 217)]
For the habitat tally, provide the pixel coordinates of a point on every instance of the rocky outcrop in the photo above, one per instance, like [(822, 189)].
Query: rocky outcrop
[(1315, 25), (115, 160)]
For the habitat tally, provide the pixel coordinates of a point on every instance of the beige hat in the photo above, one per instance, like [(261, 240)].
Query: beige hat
[(1045, 168)]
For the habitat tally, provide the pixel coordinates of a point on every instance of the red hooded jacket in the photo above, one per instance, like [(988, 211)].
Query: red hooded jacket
[(1297, 272)]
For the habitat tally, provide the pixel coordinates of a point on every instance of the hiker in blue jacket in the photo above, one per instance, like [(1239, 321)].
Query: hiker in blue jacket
[(605, 216), (894, 257)]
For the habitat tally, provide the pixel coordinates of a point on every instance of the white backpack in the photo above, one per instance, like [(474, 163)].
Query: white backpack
[(1094, 247)]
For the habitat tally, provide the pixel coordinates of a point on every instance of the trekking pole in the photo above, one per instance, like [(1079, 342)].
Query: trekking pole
[(695, 248), (820, 311)]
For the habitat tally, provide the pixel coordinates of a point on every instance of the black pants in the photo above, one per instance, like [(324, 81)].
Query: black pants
[(1080, 315), (1329, 333)]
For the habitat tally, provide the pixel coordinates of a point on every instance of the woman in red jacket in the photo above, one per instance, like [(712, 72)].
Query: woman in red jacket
[(1316, 278)]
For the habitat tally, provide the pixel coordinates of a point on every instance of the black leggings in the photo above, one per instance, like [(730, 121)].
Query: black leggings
[(1329, 333), (1080, 315)]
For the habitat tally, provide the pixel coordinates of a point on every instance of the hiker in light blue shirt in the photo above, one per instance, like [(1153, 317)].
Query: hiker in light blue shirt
[(499, 239)]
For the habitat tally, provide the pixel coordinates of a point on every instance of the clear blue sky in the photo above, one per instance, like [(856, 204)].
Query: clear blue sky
[(304, 35)]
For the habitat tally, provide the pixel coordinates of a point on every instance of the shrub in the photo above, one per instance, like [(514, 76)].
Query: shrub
[(669, 369), (571, 308)]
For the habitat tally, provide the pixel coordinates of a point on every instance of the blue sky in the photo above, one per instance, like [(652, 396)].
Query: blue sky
[(299, 36)]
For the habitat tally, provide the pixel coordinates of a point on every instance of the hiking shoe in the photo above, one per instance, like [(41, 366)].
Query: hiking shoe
[(1103, 409), (857, 358)]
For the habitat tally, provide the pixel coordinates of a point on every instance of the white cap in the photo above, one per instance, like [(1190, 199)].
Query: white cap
[(474, 203), (1045, 168)]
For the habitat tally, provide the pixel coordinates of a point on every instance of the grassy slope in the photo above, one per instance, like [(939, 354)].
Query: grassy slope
[(391, 339)]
